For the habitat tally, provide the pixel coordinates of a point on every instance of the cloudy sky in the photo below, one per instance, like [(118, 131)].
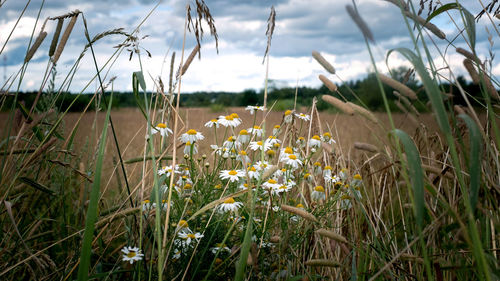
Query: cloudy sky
[(301, 26)]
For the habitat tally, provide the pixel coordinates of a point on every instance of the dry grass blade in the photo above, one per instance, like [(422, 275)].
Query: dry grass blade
[(332, 235), (353, 13), (340, 105), (322, 262), (365, 146), (64, 38), (437, 171), (329, 84), (323, 62), (403, 89), (300, 212), (185, 66), (35, 46)]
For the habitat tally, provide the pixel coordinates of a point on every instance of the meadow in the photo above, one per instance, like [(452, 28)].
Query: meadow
[(161, 192)]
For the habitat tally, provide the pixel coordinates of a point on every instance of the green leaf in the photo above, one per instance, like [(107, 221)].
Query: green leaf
[(416, 174), (442, 9), (475, 159), (36, 185)]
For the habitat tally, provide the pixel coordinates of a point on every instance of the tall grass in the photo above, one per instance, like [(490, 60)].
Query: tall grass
[(279, 200)]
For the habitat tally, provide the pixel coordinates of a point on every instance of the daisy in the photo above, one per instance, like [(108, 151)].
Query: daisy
[(282, 189), (229, 205), (288, 116), (270, 153), (307, 177), (293, 161), (243, 157), (132, 254), (221, 247), (256, 131), (327, 137), (258, 145), (176, 255), (318, 193), (317, 168), (231, 143), (343, 174), (331, 179), (211, 123), (273, 140), (271, 184), (357, 180), (315, 141), (191, 136), (253, 173), (182, 226), (327, 171), (243, 136), (162, 129), (252, 109), (168, 170), (230, 120), (232, 175), (345, 202), (190, 237), (303, 117), (187, 148), (146, 205), (276, 130), (262, 165)]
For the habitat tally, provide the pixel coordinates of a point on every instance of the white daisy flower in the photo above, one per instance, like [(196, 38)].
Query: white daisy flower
[(357, 180), (191, 136), (273, 140), (276, 208), (146, 205), (331, 179), (232, 120), (168, 170), (288, 116), (315, 141), (327, 137), (131, 254), (303, 117), (293, 161), (162, 129), (252, 109), (221, 247), (318, 193), (276, 130), (187, 148), (243, 136), (243, 157), (317, 168), (211, 123), (176, 255), (327, 171), (229, 205), (345, 202), (271, 184), (256, 131), (282, 189), (253, 173), (259, 145), (182, 226), (262, 166), (190, 237), (343, 174), (231, 143), (232, 175), (307, 177), (301, 142)]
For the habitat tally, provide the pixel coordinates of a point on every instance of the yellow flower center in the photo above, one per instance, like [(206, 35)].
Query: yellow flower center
[(229, 200), (192, 236), (271, 181), (307, 175), (319, 188), (270, 152), (187, 186), (229, 118), (243, 132), (288, 150), (182, 223), (231, 139), (232, 173), (277, 126), (188, 143), (327, 135), (131, 254), (288, 112), (316, 137), (328, 168), (213, 120), (252, 169), (243, 152), (317, 164), (256, 127), (292, 156), (357, 177), (283, 187), (146, 201), (300, 206), (161, 125), (283, 170), (191, 132), (277, 145), (345, 196), (234, 115), (218, 186), (259, 143), (301, 139)]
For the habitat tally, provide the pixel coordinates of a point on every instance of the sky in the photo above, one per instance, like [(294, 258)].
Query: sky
[(301, 27)]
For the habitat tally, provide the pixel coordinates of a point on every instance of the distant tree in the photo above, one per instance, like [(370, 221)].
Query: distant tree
[(248, 97)]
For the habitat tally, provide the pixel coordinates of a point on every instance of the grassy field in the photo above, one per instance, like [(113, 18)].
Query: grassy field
[(354, 195)]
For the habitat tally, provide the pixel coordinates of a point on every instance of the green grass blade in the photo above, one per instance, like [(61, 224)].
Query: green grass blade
[(416, 174), (474, 160), (88, 235)]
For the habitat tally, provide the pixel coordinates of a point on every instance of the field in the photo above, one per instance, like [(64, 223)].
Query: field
[(162, 192)]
